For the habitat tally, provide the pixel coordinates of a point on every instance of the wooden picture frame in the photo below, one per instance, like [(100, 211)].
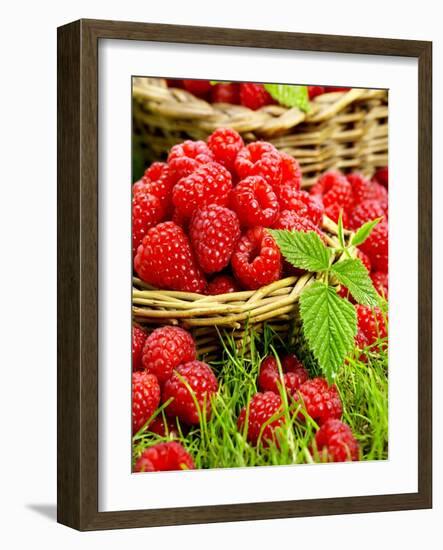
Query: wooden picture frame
[(78, 273)]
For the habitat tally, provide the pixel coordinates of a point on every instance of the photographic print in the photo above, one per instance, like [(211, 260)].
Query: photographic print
[(260, 274)]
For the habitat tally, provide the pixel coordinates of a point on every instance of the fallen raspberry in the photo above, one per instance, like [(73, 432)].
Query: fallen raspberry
[(254, 96), (255, 202), (168, 456), (294, 374), (335, 442), (145, 398), (225, 145), (321, 401), (262, 416), (138, 341), (165, 429)]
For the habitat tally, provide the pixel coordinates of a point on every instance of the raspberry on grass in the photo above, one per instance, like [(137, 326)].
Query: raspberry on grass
[(256, 260), (145, 398), (146, 213), (190, 384), (165, 260), (335, 189), (164, 457), (200, 88), (255, 202), (381, 283), (262, 416), (366, 211), (222, 284), (320, 400), (302, 203), (168, 428), (214, 232), (260, 158), (138, 341), (225, 145), (254, 96), (226, 92), (294, 374), (209, 184), (371, 322), (376, 247), (165, 349), (186, 157), (335, 442)]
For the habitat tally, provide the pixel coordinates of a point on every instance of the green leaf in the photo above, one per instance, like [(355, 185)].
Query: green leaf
[(330, 326), (355, 277), (341, 237), (290, 95), (364, 231), (214, 82), (303, 250)]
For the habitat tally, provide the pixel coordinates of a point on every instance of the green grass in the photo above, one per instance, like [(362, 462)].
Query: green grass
[(217, 443)]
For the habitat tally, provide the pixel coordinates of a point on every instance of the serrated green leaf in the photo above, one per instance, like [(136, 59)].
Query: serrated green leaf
[(329, 325), (290, 95), (355, 277), (303, 250), (364, 231), (341, 237)]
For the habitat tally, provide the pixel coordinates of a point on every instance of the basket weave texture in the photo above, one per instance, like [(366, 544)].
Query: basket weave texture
[(343, 130)]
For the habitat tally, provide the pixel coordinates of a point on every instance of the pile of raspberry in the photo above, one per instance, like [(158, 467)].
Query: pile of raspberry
[(249, 94)]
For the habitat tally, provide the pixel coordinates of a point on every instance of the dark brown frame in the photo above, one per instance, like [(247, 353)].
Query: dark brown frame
[(77, 480)]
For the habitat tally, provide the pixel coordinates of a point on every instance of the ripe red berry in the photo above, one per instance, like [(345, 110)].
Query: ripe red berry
[(382, 176), (214, 232), (164, 457), (314, 91), (222, 284), (257, 416), (138, 341), (364, 212), (209, 184), (159, 183), (165, 349), (335, 189), (376, 247), (145, 398), (333, 212), (255, 202), (364, 260), (321, 401), (302, 203), (260, 158), (165, 429), (254, 96), (361, 187), (146, 213), (226, 92), (291, 171), (200, 88), (371, 322), (225, 145), (165, 260), (335, 442), (256, 260), (294, 374), (186, 157), (292, 221), (379, 193), (380, 282)]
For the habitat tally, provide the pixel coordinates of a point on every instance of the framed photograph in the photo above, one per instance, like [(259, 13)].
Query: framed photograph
[(244, 275)]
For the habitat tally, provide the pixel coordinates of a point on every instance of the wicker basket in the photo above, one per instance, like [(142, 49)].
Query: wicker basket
[(343, 130)]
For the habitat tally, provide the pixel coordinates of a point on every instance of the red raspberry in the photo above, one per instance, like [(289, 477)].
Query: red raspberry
[(254, 96), (376, 247), (165, 260), (159, 183), (260, 158), (291, 221), (165, 349), (174, 83), (261, 408), (203, 383), (291, 172), (145, 398), (382, 176), (186, 157), (314, 91), (366, 211), (164, 457), (333, 213), (255, 202), (364, 260), (361, 341), (335, 189), (371, 322), (294, 374), (361, 187), (330, 89), (256, 260), (301, 202), (200, 88), (209, 184), (214, 232), (321, 401), (146, 213), (165, 429), (225, 145), (138, 341), (380, 194), (380, 282), (226, 93), (222, 284), (335, 442)]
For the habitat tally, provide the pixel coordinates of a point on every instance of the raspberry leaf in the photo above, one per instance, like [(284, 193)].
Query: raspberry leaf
[(289, 95), (355, 277), (330, 326), (363, 232), (302, 250)]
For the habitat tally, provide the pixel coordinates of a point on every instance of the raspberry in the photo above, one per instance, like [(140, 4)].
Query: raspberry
[(225, 145), (314, 91), (301, 202), (200, 88), (261, 408), (376, 247), (364, 260), (333, 212), (174, 83), (214, 232), (330, 89), (146, 213), (366, 211), (222, 284), (321, 401), (294, 374), (186, 157), (361, 341), (165, 260), (256, 260), (254, 96), (380, 282), (203, 383), (209, 184), (335, 442), (382, 176), (145, 398), (159, 183), (291, 172), (371, 322), (138, 341), (165, 349), (164, 457), (361, 187), (226, 93), (260, 159), (255, 202), (165, 429), (380, 194), (291, 221), (336, 190)]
